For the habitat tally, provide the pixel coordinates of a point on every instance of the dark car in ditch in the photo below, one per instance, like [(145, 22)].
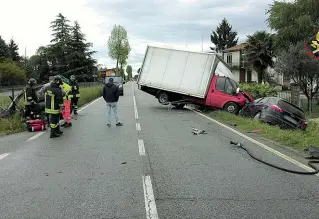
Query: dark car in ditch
[(275, 111)]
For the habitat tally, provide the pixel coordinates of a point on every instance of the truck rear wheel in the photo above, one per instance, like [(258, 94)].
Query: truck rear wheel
[(231, 107), (163, 98)]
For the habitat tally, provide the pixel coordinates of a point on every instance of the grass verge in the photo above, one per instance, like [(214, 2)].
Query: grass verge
[(14, 125), (296, 139)]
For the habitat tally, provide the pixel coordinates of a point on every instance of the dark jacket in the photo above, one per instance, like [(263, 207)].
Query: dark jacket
[(53, 99), (30, 94), (75, 90), (111, 93)]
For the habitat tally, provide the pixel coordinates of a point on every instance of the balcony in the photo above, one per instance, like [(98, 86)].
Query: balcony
[(235, 65)]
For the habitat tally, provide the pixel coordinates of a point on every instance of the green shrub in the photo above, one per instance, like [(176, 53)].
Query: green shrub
[(12, 125), (259, 90)]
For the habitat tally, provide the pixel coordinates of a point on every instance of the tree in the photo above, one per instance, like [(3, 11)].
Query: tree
[(11, 74), (129, 72), (61, 37), (259, 52), (13, 51), (300, 68), (224, 37), (4, 53), (294, 21), (80, 57), (118, 45)]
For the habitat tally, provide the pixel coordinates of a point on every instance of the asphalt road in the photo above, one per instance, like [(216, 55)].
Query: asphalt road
[(152, 167)]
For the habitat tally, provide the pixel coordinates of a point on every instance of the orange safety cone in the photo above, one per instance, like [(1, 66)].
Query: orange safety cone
[(67, 113)]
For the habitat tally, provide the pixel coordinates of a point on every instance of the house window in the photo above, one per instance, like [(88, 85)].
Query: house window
[(249, 76), (229, 59)]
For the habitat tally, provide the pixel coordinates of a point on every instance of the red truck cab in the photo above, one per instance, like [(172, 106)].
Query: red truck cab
[(224, 94)]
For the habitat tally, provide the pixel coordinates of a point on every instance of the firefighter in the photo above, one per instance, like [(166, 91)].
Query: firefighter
[(53, 106), (67, 105), (74, 94), (31, 99)]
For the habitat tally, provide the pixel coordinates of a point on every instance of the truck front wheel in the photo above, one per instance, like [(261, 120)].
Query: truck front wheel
[(231, 107), (163, 98)]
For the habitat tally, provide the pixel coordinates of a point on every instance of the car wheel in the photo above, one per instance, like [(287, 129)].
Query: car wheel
[(163, 98), (231, 108), (257, 116)]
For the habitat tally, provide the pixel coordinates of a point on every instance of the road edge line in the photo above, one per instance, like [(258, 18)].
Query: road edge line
[(291, 160)]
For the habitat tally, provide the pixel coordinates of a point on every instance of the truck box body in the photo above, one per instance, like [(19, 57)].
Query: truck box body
[(183, 72)]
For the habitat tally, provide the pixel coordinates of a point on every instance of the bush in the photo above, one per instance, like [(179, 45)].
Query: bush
[(14, 124), (259, 90)]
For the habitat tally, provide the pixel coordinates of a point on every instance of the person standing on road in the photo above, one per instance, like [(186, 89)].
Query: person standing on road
[(53, 105), (111, 96), (74, 94)]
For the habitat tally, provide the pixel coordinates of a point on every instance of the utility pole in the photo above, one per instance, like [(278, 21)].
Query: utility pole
[(25, 58), (202, 43)]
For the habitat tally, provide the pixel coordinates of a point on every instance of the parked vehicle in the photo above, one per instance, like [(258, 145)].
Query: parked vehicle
[(276, 111), (118, 81), (200, 78)]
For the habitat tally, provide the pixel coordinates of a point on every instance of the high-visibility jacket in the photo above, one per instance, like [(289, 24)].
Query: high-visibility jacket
[(75, 90), (53, 99), (67, 89)]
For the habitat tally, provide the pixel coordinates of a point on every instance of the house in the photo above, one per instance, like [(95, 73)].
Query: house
[(243, 72), (107, 72)]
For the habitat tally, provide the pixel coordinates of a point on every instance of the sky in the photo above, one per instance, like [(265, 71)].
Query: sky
[(180, 24)]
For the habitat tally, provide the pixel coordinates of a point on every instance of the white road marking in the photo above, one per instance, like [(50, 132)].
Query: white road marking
[(150, 205), (83, 108), (259, 144), (35, 136), (3, 155), (134, 103), (138, 127), (141, 148)]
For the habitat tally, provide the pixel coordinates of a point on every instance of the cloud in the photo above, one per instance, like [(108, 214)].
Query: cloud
[(175, 23)]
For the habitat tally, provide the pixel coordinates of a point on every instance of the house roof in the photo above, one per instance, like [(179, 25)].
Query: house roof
[(235, 48)]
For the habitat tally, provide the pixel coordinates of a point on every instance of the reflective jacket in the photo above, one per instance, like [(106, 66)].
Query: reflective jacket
[(75, 92), (53, 99), (67, 89), (30, 94)]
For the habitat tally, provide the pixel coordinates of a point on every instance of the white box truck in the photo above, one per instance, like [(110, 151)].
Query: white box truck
[(201, 78)]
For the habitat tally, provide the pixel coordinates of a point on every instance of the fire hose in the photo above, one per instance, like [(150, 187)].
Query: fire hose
[(310, 163)]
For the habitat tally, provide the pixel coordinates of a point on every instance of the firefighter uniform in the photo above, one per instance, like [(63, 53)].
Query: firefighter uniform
[(53, 105), (67, 105), (74, 94), (31, 99)]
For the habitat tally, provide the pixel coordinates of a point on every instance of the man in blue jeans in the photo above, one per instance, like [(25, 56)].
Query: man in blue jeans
[(111, 96)]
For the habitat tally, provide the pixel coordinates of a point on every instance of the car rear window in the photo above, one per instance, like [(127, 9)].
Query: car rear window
[(291, 108)]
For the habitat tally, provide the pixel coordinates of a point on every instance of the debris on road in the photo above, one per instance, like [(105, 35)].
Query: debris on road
[(313, 152), (124, 163), (196, 131), (255, 131), (310, 163)]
